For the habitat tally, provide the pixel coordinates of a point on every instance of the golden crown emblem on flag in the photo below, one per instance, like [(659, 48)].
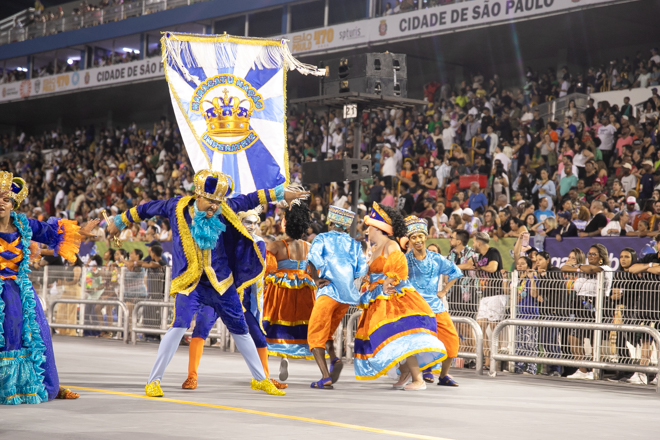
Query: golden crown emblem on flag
[(228, 115)]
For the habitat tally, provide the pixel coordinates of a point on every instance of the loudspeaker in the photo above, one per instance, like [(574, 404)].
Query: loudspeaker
[(381, 65), (335, 170), (368, 84)]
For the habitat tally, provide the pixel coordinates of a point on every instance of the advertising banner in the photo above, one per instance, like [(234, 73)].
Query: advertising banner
[(559, 250), (150, 68), (428, 21), (467, 14)]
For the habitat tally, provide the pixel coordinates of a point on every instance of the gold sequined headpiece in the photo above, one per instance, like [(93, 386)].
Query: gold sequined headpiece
[(213, 185), (15, 187)]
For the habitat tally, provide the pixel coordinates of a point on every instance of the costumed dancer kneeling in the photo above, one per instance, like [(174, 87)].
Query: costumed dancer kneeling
[(425, 269), (27, 363), (289, 295), (252, 298), (339, 260), (204, 227), (397, 326)]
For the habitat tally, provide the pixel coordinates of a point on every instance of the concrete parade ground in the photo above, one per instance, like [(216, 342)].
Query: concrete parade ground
[(110, 378)]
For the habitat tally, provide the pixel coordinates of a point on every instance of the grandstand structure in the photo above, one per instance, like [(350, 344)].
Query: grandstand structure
[(72, 60)]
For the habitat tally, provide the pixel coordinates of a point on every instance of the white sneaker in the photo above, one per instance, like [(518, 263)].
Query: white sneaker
[(638, 379), (589, 375), (577, 375), (654, 381)]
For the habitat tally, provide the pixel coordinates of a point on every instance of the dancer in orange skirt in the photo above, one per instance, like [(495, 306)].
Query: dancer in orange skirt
[(397, 326), (289, 294)]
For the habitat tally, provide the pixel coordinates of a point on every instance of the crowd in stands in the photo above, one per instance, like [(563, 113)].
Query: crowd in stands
[(578, 176), (476, 163)]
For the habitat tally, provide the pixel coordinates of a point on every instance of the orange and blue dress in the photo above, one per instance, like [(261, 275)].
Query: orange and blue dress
[(27, 364), (288, 303), (394, 327)]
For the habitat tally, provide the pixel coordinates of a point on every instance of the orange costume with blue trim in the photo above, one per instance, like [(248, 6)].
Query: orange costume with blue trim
[(393, 326), (288, 304)]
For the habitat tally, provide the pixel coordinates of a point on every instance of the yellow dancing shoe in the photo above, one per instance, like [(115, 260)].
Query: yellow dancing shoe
[(153, 389), (267, 386)]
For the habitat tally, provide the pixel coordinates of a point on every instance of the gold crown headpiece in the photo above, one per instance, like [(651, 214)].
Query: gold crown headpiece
[(228, 116), (213, 185), (15, 187)]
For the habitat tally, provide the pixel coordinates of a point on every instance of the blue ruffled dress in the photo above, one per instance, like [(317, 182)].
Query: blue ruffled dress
[(27, 363)]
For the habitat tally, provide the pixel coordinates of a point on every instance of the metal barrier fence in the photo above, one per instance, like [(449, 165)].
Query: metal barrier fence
[(555, 319), (219, 330), (605, 321), (651, 332), (108, 328)]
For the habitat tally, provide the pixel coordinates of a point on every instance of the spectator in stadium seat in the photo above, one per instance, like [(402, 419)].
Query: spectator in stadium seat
[(569, 180), (388, 167), (477, 199), (654, 221), (545, 187), (597, 222), (618, 226), (526, 337), (492, 306), (598, 261), (472, 222), (544, 210), (566, 227), (648, 303), (606, 134), (629, 180), (646, 184), (553, 305)]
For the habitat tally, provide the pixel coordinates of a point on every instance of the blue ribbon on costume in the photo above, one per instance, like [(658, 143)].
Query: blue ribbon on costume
[(279, 192), (206, 231), (119, 223)]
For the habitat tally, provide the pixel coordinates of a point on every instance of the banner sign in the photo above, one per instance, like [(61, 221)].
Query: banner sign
[(430, 20), (559, 250), (229, 98), (150, 68)]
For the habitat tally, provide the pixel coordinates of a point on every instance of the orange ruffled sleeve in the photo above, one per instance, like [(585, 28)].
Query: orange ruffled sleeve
[(70, 244), (35, 251), (271, 263), (396, 266)]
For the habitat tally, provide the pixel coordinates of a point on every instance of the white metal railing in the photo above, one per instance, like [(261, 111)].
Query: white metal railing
[(87, 19), (556, 319)]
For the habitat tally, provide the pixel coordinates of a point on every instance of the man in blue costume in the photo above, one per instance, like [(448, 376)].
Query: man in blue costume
[(251, 298), (214, 257), (425, 269), (339, 260)]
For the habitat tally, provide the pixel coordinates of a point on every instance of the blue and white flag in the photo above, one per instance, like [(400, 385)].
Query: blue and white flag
[(229, 98)]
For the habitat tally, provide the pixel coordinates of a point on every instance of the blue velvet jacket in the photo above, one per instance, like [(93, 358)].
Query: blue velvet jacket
[(236, 259)]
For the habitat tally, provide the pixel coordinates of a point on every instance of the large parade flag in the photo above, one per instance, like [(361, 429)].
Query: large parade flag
[(229, 98)]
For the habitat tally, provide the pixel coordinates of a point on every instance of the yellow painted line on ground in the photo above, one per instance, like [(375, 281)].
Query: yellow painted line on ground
[(268, 414)]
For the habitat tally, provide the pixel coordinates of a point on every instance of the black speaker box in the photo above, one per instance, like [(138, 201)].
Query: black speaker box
[(383, 65), (335, 170), (368, 84)]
